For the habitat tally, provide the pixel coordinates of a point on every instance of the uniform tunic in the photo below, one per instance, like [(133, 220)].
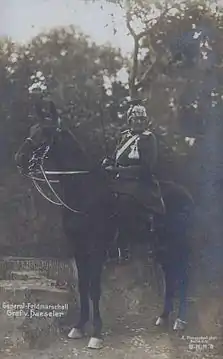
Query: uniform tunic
[(138, 154)]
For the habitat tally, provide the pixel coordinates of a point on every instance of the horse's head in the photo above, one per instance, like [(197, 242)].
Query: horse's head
[(36, 146), (51, 152), (49, 143)]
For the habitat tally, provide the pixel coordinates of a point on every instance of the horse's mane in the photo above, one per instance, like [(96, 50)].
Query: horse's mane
[(68, 130)]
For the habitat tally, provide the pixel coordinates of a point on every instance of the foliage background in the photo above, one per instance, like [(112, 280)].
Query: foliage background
[(184, 99)]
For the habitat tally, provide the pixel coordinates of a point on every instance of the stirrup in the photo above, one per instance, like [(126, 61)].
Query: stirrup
[(123, 255), (152, 225)]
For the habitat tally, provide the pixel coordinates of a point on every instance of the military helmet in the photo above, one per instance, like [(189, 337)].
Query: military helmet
[(136, 111)]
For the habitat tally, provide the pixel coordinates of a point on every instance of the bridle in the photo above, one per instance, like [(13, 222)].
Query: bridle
[(38, 160)]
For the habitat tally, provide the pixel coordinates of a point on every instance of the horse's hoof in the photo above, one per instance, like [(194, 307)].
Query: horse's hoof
[(179, 324), (95, 343), (160, 322), (75, 333)]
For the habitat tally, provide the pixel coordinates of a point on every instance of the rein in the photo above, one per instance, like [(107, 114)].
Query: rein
[(48, 181), (61, 202), (45, 179)]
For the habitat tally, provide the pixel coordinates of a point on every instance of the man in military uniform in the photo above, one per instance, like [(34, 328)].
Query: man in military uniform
[(134, 161)]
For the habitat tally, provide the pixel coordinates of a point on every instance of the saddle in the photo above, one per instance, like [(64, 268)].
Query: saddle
[(147, 194)]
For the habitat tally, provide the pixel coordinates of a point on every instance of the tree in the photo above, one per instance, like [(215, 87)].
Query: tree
[(180, 72), (72, 69)]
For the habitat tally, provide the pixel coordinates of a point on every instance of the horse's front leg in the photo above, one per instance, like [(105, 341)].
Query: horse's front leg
[(97, 261), (82, 263), (169, 296), (180, 322)]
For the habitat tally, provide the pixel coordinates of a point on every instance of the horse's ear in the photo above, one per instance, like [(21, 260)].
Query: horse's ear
[(53, 111)]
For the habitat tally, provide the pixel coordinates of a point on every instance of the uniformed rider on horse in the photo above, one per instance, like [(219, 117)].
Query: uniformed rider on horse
[(134, 161)]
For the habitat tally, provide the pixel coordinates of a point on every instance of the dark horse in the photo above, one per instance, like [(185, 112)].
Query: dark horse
[(89, 217)]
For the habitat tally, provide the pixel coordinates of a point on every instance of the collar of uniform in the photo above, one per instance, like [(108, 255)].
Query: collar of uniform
[(145, 132)]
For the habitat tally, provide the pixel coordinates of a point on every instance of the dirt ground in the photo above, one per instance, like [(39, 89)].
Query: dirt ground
[(129, 307), (127, 339)]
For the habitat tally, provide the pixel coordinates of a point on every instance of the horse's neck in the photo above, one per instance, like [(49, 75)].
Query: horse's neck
[(79, 189), (72, 155), (83, 190)]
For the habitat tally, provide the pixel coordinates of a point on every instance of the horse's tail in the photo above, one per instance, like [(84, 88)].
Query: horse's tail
[(172, 189)]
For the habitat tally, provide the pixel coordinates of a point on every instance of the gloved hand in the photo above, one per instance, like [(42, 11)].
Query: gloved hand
[(107, 162)]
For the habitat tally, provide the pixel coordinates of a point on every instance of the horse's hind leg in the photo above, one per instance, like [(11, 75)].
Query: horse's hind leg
[(82, 263), (95, 294)]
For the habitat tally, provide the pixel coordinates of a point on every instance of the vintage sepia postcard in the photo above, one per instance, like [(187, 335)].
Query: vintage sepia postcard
[(111, 143)]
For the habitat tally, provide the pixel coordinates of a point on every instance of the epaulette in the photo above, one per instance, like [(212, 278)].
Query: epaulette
[(126, 132), (147, 132)]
